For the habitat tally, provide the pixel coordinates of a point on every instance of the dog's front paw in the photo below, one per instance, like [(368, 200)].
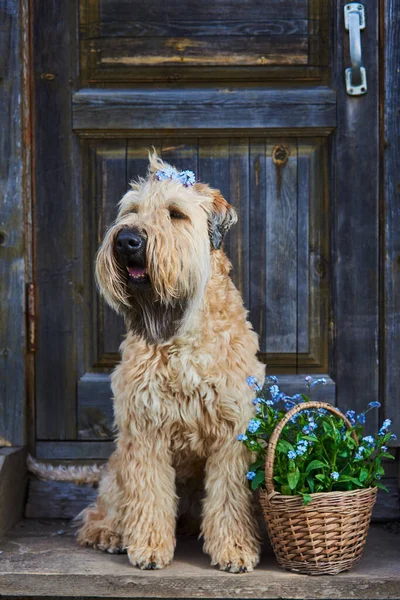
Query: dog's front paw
[(235, 559), (150, 558), (97, 535)]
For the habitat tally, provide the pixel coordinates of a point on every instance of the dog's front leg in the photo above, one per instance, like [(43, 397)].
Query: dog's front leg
[(150, 501), (229, 528)]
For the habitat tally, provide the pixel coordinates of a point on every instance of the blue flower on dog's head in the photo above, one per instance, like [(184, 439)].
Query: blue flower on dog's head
[(250, 475), (186, 178), (241, 437), (253, 425)]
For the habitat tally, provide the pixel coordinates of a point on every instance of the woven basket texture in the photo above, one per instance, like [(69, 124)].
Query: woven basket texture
[(328, 535)]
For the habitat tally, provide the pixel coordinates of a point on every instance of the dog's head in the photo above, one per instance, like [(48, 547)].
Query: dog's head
[(155, 260)]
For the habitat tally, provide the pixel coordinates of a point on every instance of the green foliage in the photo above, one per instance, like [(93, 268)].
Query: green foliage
[(316, 451)]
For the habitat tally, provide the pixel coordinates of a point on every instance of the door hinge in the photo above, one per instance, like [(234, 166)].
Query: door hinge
[(31, 314)]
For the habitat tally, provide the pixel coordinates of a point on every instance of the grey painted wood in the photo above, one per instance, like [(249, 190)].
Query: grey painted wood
[(95, 407), (57, 500), (14, 188), (258, 254), (305, 214), (314, 276), (281, 264), (130, 10), (201, 108), (111, 184), (236, 242), (390, 332), (356, 227), (13, 482), (58, 218), (135, 27), (78, 450)]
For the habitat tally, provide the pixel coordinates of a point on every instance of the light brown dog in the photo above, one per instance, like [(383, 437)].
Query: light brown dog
[(180, 391)]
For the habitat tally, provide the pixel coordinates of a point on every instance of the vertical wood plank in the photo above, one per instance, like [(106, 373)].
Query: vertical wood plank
[(257, 238), (112, 183), (281, 268), (356, 279), (14, 190), (236, 242), (303, 243), (58, 217), (390, 334), (313, 260)]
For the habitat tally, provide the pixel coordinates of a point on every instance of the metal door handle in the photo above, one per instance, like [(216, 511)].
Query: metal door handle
[(356, 75)]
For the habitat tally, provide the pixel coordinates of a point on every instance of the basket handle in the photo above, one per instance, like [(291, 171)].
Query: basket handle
[(270, 457)]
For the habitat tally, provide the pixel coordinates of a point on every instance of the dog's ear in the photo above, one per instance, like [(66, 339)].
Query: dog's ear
[(221, 219)]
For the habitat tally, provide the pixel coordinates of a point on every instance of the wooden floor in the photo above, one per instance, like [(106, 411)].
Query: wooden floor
[(41, 558)]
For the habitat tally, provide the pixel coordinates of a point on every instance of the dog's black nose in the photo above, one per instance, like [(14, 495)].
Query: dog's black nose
[(129, 242)]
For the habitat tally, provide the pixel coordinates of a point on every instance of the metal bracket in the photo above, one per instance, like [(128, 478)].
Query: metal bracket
[(356, 75)]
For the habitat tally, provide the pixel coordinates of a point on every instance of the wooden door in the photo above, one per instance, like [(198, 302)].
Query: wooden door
[(250, 96)]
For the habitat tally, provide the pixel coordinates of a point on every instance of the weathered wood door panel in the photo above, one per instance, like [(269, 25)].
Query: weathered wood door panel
[(251, 97)]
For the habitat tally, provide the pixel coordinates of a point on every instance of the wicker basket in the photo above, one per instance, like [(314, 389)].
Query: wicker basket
[(328, 535)]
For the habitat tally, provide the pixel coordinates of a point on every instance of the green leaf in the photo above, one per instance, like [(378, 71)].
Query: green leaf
[(293, 478), (285, 490), (387, 455), (380, 470), (256, 465), (381, 486), (352, 479), (258, 480), (363, 475), (310, 438), (327, 427), (310, 481), (280, 479), (284, 446), (316, 464), (321, 477), (306, 499)]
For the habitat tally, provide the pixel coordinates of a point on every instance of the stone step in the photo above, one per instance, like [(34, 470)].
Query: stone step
[(41, 558)]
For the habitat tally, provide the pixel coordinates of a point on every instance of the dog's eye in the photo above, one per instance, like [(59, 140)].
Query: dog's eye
[(175, 214), (134, 210)]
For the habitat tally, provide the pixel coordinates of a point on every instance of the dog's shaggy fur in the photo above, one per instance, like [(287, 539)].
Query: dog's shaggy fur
[(180, 390)]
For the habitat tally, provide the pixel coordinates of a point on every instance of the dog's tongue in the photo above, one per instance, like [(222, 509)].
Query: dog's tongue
[(136, 271)]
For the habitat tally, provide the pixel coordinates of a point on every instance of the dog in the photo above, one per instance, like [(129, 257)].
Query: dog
[(180, 391)]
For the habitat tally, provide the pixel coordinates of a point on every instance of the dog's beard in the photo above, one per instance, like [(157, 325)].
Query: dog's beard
[(153, 320)]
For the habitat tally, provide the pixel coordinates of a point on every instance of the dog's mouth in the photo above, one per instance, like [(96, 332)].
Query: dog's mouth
[(137, 274)]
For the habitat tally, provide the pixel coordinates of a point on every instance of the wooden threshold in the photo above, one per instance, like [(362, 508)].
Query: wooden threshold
[(42, 559)]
